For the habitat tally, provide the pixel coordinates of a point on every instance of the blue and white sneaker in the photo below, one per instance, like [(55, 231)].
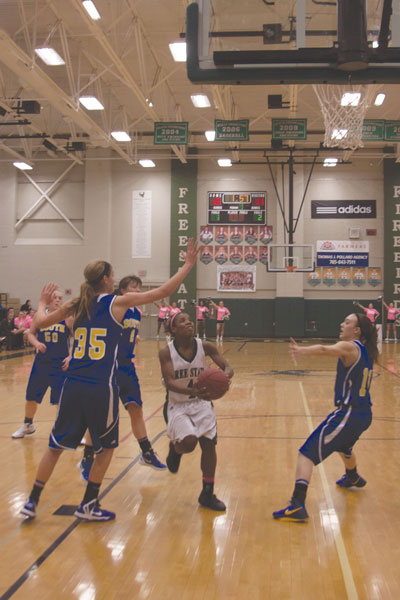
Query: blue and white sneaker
[(91, 511), (150, 459), (29, 510), (295, 513), (346, 482), (84, 466)]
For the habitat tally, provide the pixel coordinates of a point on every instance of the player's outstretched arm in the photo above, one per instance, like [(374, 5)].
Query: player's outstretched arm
[(347, 351), (121, 303)]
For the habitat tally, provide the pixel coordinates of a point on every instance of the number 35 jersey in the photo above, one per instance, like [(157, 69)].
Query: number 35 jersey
[(96, 343)]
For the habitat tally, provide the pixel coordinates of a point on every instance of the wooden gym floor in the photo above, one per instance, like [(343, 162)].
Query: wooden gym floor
[(162, 545)]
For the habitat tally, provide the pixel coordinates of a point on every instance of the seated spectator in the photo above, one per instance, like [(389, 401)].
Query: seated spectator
[(20, 327), (7, 326)]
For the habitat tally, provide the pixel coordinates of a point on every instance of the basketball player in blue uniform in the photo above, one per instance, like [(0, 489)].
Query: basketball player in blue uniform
[(128, 383), (51, 360), (190, 415), (89, 399), (356, 352)]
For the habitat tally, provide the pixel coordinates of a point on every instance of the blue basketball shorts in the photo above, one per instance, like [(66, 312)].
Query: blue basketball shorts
[(45, 374), (337, 433), (129, 387), (92, 406)]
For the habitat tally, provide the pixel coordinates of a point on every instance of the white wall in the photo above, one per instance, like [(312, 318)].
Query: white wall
[(106, 188)]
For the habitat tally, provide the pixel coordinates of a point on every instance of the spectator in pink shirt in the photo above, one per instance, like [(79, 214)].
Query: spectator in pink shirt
[(201, 315), (163, 311), (371, 312), (392, 313), (222, 315), (21, 326)]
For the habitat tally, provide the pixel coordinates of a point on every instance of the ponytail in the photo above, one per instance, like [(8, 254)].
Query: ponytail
[(368, 336), (94, 272)]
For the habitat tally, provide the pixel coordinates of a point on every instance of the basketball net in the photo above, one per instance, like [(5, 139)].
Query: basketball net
[(343, 123)]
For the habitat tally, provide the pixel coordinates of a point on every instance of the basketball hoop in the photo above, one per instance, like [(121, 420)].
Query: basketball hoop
[(343, 108), (290, 268)]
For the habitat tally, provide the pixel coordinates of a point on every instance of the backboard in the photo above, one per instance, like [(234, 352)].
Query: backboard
[(291, 258)]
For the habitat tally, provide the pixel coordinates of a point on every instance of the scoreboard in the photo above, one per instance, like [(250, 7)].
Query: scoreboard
[(237, 208)]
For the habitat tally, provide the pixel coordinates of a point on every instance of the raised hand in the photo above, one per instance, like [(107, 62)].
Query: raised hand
[(191, 252), (47, 292)]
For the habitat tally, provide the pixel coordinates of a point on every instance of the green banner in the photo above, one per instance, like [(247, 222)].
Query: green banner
[(289, 129), (391, 171), (392, 131), (231, 131), (170, 133), (373, 130), (183, 227)]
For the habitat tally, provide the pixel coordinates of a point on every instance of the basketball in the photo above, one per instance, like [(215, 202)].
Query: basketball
[(215, 381)]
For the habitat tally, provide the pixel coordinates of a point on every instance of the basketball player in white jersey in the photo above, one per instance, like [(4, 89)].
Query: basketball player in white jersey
[(189, 414)]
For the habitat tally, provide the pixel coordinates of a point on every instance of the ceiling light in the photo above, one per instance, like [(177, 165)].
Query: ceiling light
[(380, 99), (350, 99), (23, 166), (200, 101), (91, 10), (224, 162), (210, 135), (339, 134), (375, 44), (149, 102), (49, 56), (146, 163), (91, 103), (121, 136), (330, 162), (178, 51)]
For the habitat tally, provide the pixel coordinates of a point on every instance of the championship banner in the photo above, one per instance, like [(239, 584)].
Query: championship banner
[(183, 227), (342, 253), (391, 171)]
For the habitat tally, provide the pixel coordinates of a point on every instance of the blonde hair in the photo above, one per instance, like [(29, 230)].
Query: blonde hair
[(93, 273)]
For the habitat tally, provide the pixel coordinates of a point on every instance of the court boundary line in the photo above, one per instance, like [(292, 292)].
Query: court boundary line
[(337, 535), (58, 541)]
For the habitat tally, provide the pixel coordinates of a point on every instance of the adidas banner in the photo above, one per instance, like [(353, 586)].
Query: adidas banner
[(343, 209)]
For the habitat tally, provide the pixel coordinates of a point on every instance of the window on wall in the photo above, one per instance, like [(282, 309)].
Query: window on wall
[(50, 204)]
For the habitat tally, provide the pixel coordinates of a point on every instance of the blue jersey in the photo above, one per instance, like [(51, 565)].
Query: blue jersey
[(126, 346), (96, 343), (353, 383), (56, 339)]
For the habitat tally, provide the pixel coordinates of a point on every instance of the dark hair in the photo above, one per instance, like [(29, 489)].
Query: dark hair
[(125, 281), (172, 321), (93, 273), (368, 336)]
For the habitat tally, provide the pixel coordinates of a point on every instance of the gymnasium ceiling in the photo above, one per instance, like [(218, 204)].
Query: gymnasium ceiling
[(124, 60)]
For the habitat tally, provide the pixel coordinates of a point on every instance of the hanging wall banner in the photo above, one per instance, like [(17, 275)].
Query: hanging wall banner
[(344, 276), (221, 255), (236, 279), (374, 276), (250, 255), (206, 234), (263, 255), (329, 276), (342, 253), (314, 277), (183, 227), (141, 224), (206, 254), (391, 275), (359, 276), (236, 254)]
